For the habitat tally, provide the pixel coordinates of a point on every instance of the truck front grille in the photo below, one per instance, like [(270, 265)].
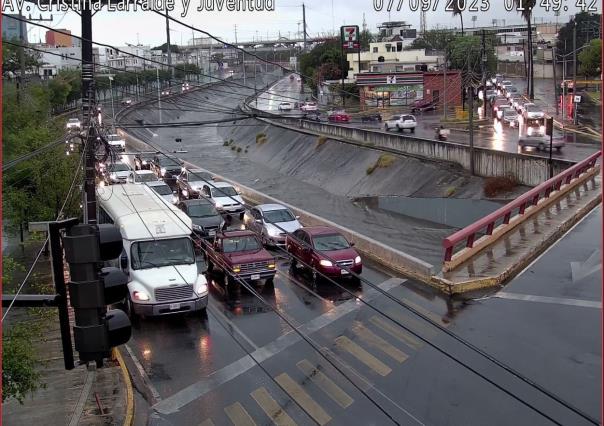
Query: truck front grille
[(255, 266), (167, 294)]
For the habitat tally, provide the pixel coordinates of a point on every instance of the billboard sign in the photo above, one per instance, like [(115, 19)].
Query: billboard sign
[(350, 37)]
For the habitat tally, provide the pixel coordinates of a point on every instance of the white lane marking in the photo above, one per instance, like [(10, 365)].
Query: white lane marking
[(227, 323), (143, 374), (192, 392), (553, 300)]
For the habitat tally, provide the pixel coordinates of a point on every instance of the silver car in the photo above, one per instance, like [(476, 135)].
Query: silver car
[(272, 222), (540, 143), (532, 111), (164, 191)]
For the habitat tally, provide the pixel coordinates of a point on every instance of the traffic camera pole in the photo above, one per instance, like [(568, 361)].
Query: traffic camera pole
[(88, 102)]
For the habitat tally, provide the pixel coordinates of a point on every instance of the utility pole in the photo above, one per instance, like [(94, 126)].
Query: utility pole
[(21, 78), (158, 95), (574, 70), (445, 87), (555, 81), (470, 94), (169, 48), (304, 25), (564, 90), (483, 80), (88, 102)]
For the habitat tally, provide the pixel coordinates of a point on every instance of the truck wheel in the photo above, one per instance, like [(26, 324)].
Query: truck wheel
[(412, 130), (399, 128), (134, 318)]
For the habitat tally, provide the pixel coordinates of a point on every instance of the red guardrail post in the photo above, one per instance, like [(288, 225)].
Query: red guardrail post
[(470, 240), (448, 253)]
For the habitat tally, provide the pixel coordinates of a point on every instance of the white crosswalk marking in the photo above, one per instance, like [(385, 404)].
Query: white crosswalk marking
[(272, 409), (325, 384)]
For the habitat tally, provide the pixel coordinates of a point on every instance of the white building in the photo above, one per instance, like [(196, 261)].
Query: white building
[(391, 57), (55, 59)]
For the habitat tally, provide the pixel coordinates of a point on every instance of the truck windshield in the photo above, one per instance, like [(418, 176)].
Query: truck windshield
[(330, 242), (236, 244), (160, 253)]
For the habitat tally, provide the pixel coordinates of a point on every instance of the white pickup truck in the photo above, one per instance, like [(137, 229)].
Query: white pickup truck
[(401, 122)]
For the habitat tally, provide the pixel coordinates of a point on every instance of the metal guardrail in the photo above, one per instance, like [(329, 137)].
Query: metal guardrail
[(530, 198)]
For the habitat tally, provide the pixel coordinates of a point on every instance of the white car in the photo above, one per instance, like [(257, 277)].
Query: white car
[(116, 173), (532, 111), (285, 106), (401, 122), (272, 221), (142, 176), (309, 106), (116, 142), (164, 191), (73, 124), (224, 196), (522, 107)]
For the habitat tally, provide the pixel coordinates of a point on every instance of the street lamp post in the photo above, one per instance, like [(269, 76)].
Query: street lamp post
[(112, 107)]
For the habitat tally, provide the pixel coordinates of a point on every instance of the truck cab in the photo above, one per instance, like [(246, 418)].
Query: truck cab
[(240, 254)]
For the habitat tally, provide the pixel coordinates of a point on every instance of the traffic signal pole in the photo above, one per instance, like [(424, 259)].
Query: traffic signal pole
[(88, 103)]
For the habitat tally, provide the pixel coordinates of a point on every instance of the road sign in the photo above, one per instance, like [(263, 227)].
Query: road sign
[(350, 36), (577, 99), (292, 60)]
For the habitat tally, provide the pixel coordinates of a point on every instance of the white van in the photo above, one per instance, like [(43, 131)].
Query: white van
[(158, 254)]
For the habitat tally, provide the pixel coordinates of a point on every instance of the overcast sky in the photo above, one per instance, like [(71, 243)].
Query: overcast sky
[(119, 28)]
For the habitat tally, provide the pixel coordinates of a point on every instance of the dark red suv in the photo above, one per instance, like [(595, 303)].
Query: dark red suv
[(325, 250)]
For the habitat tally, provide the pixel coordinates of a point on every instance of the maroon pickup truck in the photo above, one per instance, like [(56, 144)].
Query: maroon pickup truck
[(325, 250), (240, 253)]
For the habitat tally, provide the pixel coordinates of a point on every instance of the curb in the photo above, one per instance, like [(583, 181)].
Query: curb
[(129, 417)]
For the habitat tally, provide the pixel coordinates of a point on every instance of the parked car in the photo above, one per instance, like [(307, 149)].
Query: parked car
[(510, 117), (285, 106), (116, 142), (116, 173), (240, 254), (190, 182), (338, 117), (126, 102), (142, 176), (143, 160), (421, 105), (164, 191), (272, 222), (166, 167), (371, 117), (206, 219), (401, 122), (532, 111), (225, 197), (309, 106), (73, 124), (540, 143), (321, 246)]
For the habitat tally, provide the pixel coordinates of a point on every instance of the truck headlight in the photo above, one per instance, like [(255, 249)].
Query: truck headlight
[(325, 262), (143, 296), (113, 176), (197, 227), (357, 259), (201, 287), (162, 171)]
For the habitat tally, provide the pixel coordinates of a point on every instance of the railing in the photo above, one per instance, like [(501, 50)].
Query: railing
[(530, 198)]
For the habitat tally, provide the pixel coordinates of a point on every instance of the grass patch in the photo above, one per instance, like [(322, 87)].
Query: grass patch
[(261, 138), (384, 161), (321, 140), (450, 191), (494, 186)]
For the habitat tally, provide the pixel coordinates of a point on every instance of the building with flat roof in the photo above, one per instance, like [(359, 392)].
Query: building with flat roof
[(54, 38), (12, 28)]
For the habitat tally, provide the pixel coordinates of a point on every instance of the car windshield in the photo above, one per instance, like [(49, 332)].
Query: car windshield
[(227, 191), (162, 189), (168, 162), (509, 112), (277, 216), (237, 244), (201, 210), (394, 117), (112, 138), (199, 176), (408, 117), (160, 253), (532, 108), (146, 177), (330, 242), (74, 120), (118, 167), (146, 157)]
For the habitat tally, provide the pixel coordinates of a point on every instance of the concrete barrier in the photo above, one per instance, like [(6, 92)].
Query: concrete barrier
[(530, 170), (390, 257)]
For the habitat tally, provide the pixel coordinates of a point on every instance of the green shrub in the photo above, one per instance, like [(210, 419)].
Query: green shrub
[(384, 161)]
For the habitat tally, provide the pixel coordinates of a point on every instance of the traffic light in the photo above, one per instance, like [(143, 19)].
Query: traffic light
[(549, 126), (92, 287)]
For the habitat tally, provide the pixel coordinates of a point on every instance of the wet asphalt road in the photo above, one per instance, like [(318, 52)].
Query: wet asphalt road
[(375, 371), (495, 136)]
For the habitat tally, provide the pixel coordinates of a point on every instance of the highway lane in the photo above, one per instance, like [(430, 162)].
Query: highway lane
[(201, 379), (493, 136)]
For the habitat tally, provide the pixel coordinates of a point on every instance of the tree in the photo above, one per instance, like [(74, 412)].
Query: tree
[(466, 49), (588, 25), (458, 11), (365, 39), (438, 39), (323, 62), (525, 8), (11, 61), (164, 48), (591, 59)]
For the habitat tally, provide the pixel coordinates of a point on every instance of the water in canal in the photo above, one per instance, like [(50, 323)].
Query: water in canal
[(454, 212)]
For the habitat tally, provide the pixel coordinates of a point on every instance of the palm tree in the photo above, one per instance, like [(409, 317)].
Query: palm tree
[(527, 14), (457, 11)]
